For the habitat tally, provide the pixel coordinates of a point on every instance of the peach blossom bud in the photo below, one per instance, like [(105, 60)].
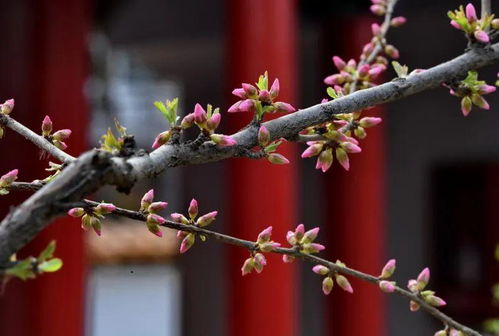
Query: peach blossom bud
[(206, 220), (181, 234), (268, 246), (441, 333), (364, 70), (259, 262), (360, 132), (214, 121), (155, 219), (456, 25), (187, 121), (161, 139), (310, 235), (377, 10), (413, 306), (320, 269), (336, 79), (247, 105), (368, 48), (315, 248), (435, 301), (8, 178), (327, 285), (376, 29), (187, 242), (387, 286), (486, 89), (193, 208), (154, 229), (398, 21), (222, 140), (179, 218), (146, 200), (312, 150), (46, 126), (423, 278), (339, 63), (413, 285), (156, 206), (481, 36), (466, 105), (480, 101), (291, 238), (284, 107), (388, 269), (264, 96), (376, 70), (239, 92), (7, 106), (299, 232), (288, 259), (392, 51), (96, 225), (471, 13), (105, 208), (369, 121), (263, 136), (274, 89), (76, 212), (248, 266), (344, 283), (59, 144), (249, 89), (86, 222), (350, 147), (199, 114), (62, 134), (325, 160), (352, 64), (277, 158), (342, 157), (264, 236), (495, 24)]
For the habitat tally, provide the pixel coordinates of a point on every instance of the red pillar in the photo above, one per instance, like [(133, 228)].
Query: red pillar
[(53, 79), (356, 224), (262, 37)]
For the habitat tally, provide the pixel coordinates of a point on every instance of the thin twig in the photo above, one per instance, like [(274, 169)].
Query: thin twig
[(36, 139)]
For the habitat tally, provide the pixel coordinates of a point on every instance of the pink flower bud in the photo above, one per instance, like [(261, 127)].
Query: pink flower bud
[(344, 283), (376, 29), (325, 160), (376, 70), (260, 261), (284, 107), (351, 64), (486, 89), (377, 10), (223, 140), (274, 89), (249, 89), (466, 105), (423, 278), (7, 106), (312, 150), (239, 93), (315, 248), (156, 206), (398, 21), (187, 121), (96, 225), (61, 145), (471, 13), (7, 179), (235, 107), (456, 25), (76, 212), (46, 126), (161, 139), (300, 232), (105, 208), (264, 96), (263, 136), (480, 101), (214, 121), (370, 121), (277, 158), (482, 36), (288, 259), (342, 157), (327, 285), (154, 229), (62, 134), (392, 51), (187, 242), (360, 132), (320, 269), (248, 266), (368, 48), (206, 220), (268, 246), (181, 234), (364, 70), (413, 306), (264, 236), (146, 200), (350, 147), (291, 238), (413, 285), (155, 219), (193, 208), (199, 114), (435, 301), (310, 235), (179, 218), (387, 286), (339, 63), (336, 79), (389, 269), (247, 105)]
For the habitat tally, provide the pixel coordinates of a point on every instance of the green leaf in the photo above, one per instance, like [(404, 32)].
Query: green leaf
[(272, 147), (401, 70), (48, 252), (331, 92), (51, 265), (259, 110), (263, 81), (23, 269)]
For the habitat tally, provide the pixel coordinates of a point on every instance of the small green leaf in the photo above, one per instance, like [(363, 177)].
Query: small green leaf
[(263, 81), (160, 106), (23, 269), (259, 110), (48, 252), (51, 265), (401, 70), (331, 92), (272, 147)]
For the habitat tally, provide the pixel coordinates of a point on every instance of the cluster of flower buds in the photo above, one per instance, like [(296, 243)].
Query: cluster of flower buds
[(449, 332), (150, 208), (255, 262), (328, 283), (476, 29), (6, 108), (189, 238), (259, 99), (269, 148), (303, 241), (6, 181), (418, 285), (471, 91), (91, 217), (58, 137), (385, 285), (262, 244)]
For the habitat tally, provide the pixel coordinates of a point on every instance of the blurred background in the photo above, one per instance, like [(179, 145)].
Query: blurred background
[(425, 189)]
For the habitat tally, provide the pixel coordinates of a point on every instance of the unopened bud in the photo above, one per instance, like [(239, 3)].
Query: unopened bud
[(7, 106), (277, 158), (320, 269), (248, 266), (156, 206), (344, 283), (193, 208), (161, 139), (263, 136), (388, 269), (274, 89), (206, 220), (62, 134), (187, 242), (327, 285), (76, 212), (342, 157), (223, 140), (466, 105), (387, 286), (480, 101), (146, 200), (46, 126)]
